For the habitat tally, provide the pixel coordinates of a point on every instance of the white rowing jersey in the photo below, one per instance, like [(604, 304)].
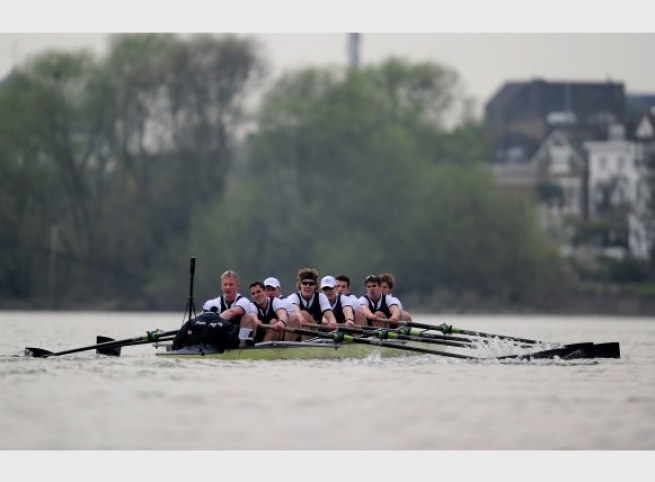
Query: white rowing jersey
[(220, 305)]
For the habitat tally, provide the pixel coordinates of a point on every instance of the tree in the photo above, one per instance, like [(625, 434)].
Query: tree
[(125, 148), (356, 173)]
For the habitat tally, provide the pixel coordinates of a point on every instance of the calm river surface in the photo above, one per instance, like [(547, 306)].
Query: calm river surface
[(414, 403)]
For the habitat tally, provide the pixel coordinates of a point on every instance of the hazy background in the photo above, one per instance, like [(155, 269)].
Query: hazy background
[(484, 60), (488, 43)]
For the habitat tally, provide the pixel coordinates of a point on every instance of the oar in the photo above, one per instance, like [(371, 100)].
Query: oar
[(567, 352), (404, 330), (112, 350), (601, 350), (340, 337), (607, 350), (111, 347), (115, 350), (449, 330), (150, 336), (414, 335), (579, 350), (109, 351)]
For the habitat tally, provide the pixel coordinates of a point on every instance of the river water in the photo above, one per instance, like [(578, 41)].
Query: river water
[(84, 402)]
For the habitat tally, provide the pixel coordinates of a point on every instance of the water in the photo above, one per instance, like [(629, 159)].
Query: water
[(138, 401)]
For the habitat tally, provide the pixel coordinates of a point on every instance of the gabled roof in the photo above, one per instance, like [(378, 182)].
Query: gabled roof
[(646, 128), (558, 138)]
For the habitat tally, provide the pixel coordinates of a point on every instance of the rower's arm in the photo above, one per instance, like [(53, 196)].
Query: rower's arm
[(349, 314), (232, 312), (331, 320), (368, 314), (282, 315), (395, 313)]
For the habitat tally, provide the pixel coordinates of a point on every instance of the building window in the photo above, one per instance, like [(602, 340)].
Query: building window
[(559, 160)]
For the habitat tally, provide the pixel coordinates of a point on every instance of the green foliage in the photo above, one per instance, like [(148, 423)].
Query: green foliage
[(629, 270), (115, 155), (135, 162), (357, 175), (550, 193)]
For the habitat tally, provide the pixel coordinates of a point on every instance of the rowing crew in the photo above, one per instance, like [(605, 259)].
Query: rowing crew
[(230, 319)]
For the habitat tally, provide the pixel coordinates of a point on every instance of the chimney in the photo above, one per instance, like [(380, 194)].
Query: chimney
[(353, 51)]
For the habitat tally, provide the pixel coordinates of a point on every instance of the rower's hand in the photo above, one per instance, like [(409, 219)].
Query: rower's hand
[(350, 324), (394, 320), (279, 326), (332, 325)]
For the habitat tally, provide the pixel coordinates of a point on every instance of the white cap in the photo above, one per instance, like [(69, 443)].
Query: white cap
[(274, 282), (328, 282)]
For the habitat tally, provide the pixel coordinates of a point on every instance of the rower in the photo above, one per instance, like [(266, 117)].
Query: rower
[(341, 304), (233, 307), (274, 288), (272, 315), (343, 288), (376, 305), (312, 306), (387, 283)]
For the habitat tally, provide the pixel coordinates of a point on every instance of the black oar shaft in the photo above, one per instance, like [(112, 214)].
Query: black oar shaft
[(448, 329), (149, 337), (341, 338), (115, 350), (385, 334), (578, 350), (402, 331)]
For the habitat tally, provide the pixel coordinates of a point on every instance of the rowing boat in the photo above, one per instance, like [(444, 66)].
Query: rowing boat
[(410, 338), (290, 350)]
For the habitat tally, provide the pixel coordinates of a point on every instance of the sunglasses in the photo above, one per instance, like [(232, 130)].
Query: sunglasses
[(308, 283), (373, 278)]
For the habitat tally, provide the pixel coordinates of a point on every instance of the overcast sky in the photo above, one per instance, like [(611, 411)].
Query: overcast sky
[(484, 60)]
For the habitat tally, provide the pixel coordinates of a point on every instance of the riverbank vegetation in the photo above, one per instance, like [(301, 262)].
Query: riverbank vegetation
[(114, 171)]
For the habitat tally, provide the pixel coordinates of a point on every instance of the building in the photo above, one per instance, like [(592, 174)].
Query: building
[(561, 175), (614, 174), (521, 115), (586, 151)]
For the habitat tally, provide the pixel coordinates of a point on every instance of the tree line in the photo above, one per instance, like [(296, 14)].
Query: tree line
[(114, 171)]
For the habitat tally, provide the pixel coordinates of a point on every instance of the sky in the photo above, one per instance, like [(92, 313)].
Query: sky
[(487, 47)]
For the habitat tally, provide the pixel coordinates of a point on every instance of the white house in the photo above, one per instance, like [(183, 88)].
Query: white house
[(612, 173), (558, 162), (617, 180)]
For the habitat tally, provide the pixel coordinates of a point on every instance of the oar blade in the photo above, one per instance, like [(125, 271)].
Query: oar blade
[(578, 350), (108, 350), (567, 352), (607, 350), (37, 352)]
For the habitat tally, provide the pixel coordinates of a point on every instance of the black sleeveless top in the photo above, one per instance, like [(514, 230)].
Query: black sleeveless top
[(268, 313), (313, 307), (337, 309), (381, 305)]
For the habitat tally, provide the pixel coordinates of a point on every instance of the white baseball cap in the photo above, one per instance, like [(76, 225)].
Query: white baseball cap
[(328, 282), (274, 282)]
